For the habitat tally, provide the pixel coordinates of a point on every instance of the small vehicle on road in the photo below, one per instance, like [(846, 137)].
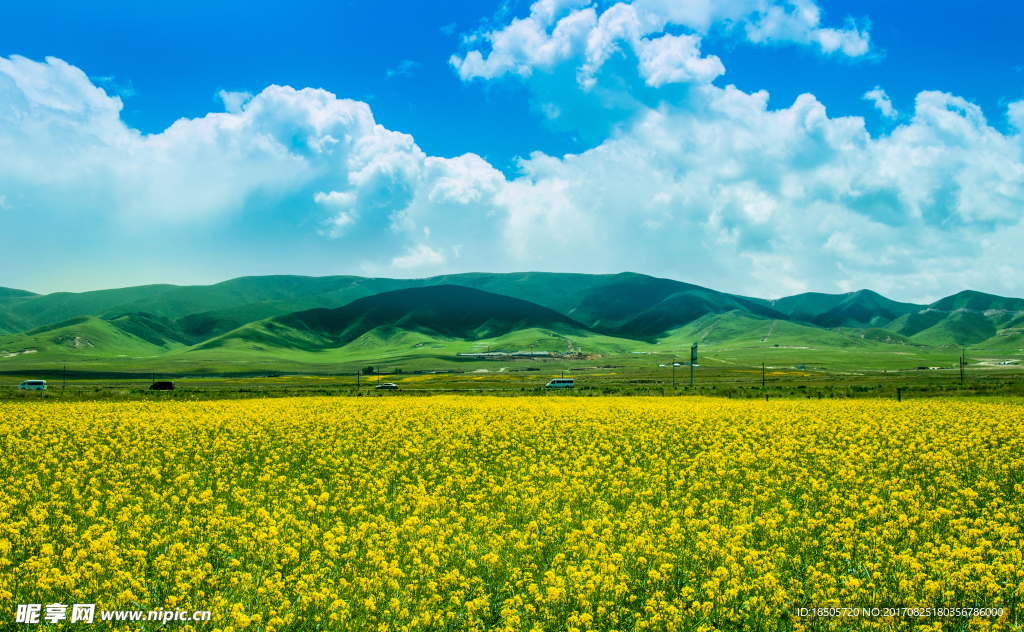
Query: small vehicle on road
[(32, 385), (386, 386), (162, 386), (566, 382)]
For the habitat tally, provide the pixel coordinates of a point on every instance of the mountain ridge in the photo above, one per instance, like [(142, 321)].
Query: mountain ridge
[(625, 306), (441, 311)]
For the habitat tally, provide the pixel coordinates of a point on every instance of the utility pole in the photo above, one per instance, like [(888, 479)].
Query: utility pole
[(693, 358), (762, 375), (963, 364)]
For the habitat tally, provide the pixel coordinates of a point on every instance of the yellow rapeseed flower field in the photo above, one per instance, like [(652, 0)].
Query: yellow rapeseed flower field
[(471, 513)]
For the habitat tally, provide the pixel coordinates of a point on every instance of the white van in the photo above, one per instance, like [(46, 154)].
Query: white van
[(567, 382), (33, 385)]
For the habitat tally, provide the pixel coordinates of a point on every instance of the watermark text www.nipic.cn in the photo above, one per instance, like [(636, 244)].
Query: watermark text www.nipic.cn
[(36, 613)]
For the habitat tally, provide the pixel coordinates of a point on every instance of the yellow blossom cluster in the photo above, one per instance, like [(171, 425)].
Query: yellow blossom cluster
[(476, 513)]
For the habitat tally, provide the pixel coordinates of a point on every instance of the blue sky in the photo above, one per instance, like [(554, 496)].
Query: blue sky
[(447, 177)]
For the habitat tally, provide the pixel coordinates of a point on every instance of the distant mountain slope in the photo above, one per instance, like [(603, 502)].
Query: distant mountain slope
[(176, 302), (1009, 335), (9, 324), (7, 292), (41, 310), (958, 328), (208, 325), (807, 306), (447, 311), (742, 330), (863, 308), (558, 291), (978, 301), (606, 302), (675, 310), (9, 298), (913, 324), (156, 330), (79, 338), (301, 292), (625, 305), (964, 319)]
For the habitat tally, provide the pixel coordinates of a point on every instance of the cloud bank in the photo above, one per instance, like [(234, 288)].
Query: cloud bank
[(717, 189), (571, 31)]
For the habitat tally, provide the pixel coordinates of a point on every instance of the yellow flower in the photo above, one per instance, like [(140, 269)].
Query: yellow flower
[(446, 512)]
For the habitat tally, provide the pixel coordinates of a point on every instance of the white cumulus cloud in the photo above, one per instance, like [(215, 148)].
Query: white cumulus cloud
[(234, 101), (882, 102), (419, 257), (558, 32), (771, 201), (723, 190), (800, 23)]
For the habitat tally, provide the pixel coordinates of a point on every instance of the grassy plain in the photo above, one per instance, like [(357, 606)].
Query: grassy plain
[(847, 365), (474, 513)]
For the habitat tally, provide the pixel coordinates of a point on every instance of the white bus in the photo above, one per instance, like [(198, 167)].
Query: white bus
[(32, 385), (567, 382)]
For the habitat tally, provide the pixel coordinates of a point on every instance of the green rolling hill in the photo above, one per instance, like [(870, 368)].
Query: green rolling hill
[(443, 311), (156, 330), (627, 304), (265, 319), (978, 301), (176, 302), (9, 324), (959, 328), (77, 339), (11, 293), (804, 307), (965, 319), (198, 312), (10, 298), (855, 309), (1010, 334), (864, 309), (910, 325), (39, 310), (635, 306)]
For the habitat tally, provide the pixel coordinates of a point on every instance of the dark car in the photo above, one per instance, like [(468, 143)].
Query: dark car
[(387, 386), (162, 386)]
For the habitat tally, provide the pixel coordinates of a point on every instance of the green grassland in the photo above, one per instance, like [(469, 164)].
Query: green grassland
[(82, 338), (335, 326), (529, 378)]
